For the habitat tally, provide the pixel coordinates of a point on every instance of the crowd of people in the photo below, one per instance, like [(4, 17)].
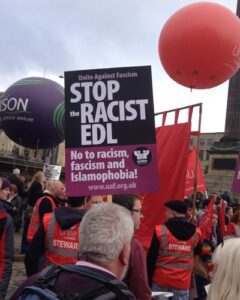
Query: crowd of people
[(98, 238)]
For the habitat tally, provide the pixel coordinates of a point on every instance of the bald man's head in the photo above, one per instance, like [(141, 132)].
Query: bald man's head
[(57, 189)]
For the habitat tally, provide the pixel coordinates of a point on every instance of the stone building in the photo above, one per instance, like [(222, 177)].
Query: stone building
[(206, 141), (27, 160), (218, 166)]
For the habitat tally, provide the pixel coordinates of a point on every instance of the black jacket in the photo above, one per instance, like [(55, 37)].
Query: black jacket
[(46, 206), (34, 192), (8, 207)]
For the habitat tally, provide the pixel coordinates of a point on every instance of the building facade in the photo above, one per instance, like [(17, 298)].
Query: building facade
[(29, 161), (206, 141)]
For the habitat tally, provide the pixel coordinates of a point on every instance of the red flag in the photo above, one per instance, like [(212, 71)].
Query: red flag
[(201, 186), (222, 225), (172, 152), (205, 223), (236, 177)]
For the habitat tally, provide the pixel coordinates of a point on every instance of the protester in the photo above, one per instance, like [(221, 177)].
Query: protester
[(199, 200), (106, 232), (48, 202), (90, 200), (226, 279), (233, 228), (170, 256), (226, 196), (210, 244), (24, 180), (6, 240), (36, 188), (190, 214), (57, 238), (15, 179), (8, 206), (136, 277), (16, 200), (228, 214), (208, 247), (34, 192)]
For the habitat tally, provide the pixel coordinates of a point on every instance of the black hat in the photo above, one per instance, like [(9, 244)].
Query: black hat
[(177, 205)]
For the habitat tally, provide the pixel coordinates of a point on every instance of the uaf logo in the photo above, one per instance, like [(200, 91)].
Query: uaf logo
[(142, 156)]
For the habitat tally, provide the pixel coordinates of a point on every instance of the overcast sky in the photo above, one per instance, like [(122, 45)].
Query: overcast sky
[(48, 37)]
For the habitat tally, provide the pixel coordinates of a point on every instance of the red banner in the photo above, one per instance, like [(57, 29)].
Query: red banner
[(172, 153), (205, 223), (201, 186)]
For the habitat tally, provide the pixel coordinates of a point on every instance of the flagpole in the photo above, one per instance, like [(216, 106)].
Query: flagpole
[(196, 162)]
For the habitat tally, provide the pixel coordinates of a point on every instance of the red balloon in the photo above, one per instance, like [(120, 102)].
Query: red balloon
[(199, 46)]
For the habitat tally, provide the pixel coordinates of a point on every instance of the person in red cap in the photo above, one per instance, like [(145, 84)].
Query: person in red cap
[(170, 256)]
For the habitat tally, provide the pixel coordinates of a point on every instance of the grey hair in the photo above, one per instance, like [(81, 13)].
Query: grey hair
[(226, 278), (105, 229)]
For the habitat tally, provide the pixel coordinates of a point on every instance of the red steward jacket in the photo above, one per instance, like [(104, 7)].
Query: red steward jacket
[(61, 245), (35, 219), (175, 259)]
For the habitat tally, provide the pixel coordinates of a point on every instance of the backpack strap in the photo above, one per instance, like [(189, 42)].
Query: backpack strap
[(40, 292), (48, 277)]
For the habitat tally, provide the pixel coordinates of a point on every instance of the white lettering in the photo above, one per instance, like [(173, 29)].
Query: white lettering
[(75, 92), (180, 247), (65, 244), (13, 104), (98, 90), (96, 134)]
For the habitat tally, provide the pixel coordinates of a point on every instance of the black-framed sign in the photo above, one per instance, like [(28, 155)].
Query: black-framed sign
[(110, 131)]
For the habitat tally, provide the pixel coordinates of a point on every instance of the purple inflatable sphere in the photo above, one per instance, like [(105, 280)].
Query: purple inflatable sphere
[(32, 113)]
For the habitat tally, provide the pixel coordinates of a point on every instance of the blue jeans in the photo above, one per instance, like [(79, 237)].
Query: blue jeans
[(177, 294)]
